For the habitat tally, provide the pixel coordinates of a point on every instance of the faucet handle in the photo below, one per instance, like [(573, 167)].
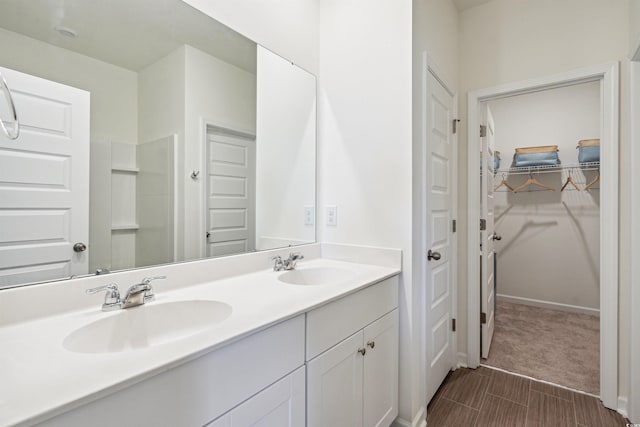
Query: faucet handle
[(148, 293), (279, 263), (148, 280), (294, 256), (111, 298)]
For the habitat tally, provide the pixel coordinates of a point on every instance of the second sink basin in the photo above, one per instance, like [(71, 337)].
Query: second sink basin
[(147, 325), (316, 276)]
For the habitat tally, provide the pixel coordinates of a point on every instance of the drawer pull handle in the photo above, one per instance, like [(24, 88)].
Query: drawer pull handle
[(371, 344), (362, 351)]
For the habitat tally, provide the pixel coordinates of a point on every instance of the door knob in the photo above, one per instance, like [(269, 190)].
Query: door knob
[(433, 255), (496, 236), (79, 247)]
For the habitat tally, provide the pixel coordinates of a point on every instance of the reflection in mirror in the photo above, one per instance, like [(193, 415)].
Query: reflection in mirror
[(150, 134)]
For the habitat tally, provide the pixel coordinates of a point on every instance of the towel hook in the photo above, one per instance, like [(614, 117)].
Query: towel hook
[(14, 113)]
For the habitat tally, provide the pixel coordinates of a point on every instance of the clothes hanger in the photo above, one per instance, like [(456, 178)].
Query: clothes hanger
[(505, 183), (532, 181), (596, 179), (570, 180)]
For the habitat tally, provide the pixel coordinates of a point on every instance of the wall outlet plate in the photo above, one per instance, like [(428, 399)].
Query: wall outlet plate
[(332, 215), (309, 215)]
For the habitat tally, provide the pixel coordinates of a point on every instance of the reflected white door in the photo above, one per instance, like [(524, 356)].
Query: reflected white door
[(44, 182), (438, 259), (231, 175), (487, 291)]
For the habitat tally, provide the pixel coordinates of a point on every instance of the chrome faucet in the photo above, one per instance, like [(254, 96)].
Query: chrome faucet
[(136, 295), (286, 264), (140, 293)]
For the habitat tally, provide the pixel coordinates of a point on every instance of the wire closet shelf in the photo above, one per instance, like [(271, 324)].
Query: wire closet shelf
[(526, 170)]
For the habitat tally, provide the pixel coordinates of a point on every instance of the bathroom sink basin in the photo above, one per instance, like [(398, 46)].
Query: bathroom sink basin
[(316, 276), (146, 326)]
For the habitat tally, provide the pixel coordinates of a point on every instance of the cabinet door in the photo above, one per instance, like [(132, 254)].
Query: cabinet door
[(381, 371), (334, 385), (280, 405)]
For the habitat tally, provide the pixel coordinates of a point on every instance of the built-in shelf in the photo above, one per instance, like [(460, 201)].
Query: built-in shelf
[(124, 169), (125, 227)]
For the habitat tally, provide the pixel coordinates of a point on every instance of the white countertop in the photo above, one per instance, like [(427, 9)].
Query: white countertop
[(39, 378)]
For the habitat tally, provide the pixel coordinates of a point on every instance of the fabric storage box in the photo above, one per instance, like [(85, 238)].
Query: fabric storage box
[(589, 150), (546, 155)]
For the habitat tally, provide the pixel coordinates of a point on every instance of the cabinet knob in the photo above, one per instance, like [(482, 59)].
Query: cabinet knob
[(362, 351), (371, 344)]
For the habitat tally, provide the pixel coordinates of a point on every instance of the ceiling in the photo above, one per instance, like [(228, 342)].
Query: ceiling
[(468, 4), (128, 33)]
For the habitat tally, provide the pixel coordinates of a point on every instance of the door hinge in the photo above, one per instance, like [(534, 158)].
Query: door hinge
[(453, 226), (483, 318), (483, 131), (455, 125), (453, 325), (483, 224)]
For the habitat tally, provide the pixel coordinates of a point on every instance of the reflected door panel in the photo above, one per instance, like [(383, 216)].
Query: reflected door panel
[(44, 183), (231, 175)]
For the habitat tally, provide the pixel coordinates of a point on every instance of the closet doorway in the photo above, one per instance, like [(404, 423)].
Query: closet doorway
[(539, 223)]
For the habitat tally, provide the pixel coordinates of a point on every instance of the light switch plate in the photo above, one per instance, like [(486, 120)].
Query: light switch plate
[(309, 217), (332, 215)]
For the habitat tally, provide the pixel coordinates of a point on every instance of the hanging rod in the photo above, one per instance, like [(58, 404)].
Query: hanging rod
[(590, 166)]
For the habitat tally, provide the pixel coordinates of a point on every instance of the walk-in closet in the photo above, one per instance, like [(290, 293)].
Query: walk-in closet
[(546, 217)]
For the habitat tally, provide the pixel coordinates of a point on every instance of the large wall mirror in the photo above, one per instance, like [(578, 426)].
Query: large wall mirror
[(149, 134)]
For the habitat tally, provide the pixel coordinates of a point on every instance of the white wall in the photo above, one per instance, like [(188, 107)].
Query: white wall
[(197, 88), (286, 152), (113, 89), (436, 32), (505, 41), (161, 114), (223, 95), (557, 230), (634, 23), (287, 27), (364, 126)]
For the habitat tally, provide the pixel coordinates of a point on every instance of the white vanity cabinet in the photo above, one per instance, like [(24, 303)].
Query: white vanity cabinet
[(352, 352), (240, 377)]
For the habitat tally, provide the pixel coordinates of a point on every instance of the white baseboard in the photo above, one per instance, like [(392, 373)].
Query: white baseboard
[(549, 304), (623, 406), (419, 420), (462, 359)]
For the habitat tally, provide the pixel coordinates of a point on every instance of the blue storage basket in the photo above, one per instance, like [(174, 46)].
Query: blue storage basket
[(589, 151), (536, 156)]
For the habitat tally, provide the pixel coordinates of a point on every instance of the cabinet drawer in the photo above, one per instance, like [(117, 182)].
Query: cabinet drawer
[(199, 391), (339, 319)]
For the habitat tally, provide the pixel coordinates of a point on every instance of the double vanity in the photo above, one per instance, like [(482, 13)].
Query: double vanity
[(223, 342)]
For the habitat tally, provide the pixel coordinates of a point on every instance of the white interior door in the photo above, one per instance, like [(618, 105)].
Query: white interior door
[(438, 239), (231, 175), (487, 291), (44, 183)]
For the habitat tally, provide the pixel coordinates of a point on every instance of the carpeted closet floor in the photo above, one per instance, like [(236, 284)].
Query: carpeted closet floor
[(555, 346)]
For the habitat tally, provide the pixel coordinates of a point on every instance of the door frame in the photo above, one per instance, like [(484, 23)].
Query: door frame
[(608, 75), (420, 245), (634, 279)]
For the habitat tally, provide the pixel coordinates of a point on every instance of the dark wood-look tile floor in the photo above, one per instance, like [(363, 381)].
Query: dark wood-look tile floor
[(486, 397)]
